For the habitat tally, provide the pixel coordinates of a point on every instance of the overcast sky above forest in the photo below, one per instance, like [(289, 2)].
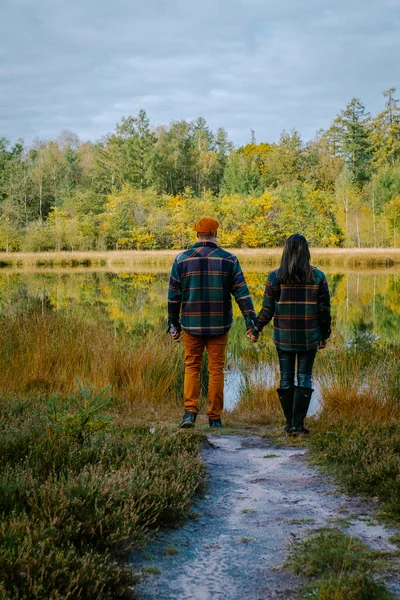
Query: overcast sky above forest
[(241, 64)]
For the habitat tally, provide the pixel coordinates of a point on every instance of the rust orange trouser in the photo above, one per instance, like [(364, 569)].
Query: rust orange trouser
[(216, 348)]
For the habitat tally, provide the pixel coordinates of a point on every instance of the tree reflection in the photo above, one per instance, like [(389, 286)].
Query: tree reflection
[(365, 307)]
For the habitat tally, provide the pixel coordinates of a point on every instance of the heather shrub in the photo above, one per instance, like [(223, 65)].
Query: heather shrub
[(74, 504)]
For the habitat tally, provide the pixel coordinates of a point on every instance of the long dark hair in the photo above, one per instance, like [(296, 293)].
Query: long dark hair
[(295, 264)]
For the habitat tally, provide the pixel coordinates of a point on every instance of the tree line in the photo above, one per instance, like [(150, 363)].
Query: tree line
[(141, 186)]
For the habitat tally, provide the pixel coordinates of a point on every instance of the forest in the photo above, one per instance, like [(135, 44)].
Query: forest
[(142, 186)]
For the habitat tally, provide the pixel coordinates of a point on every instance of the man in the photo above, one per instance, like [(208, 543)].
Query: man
[(199, 303)]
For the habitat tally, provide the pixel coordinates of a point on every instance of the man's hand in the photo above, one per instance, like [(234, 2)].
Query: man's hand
[(175, 333), (322, 344), (252, 336), (176, 336)]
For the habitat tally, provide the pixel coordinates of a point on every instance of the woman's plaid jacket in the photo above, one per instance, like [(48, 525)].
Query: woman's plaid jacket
[(301, 312)]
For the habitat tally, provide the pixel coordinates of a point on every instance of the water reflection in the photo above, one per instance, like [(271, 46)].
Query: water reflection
[(265, 374), (365, 308)]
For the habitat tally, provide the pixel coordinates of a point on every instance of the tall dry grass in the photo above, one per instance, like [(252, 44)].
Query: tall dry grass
[(258, 402), (360, 385), (357, 433), (161, 260), (259, 405), (44, 354)]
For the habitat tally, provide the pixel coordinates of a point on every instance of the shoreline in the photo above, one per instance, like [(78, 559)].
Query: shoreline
[(114, 260)]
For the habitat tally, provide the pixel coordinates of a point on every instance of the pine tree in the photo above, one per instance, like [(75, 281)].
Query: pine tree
[(385, 133), (137, 146), (352, 128)]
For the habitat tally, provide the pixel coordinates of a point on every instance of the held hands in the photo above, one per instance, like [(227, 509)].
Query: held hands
[(252, 335)]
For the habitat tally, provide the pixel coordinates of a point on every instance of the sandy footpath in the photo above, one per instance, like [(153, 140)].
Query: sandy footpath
[(260, 499)]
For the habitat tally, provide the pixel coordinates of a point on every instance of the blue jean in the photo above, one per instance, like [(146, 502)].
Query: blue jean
[(287, 364)]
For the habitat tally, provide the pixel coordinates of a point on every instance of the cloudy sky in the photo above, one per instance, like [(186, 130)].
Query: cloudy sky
[(262, 64)]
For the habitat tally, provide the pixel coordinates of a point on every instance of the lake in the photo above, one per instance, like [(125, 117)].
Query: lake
[(365, 309)]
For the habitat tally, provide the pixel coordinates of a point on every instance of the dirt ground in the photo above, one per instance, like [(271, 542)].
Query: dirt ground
[(260, 499)]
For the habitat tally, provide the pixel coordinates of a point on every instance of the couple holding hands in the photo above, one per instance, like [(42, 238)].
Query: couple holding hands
[(202, 282)]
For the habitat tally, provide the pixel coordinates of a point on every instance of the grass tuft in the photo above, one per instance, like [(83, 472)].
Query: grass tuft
[(258, 406), (340, 567)]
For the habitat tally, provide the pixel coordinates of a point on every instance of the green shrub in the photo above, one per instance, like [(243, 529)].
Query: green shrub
[(366, 458), (37, 565), (330, 550), (76, 500), (82, 417)]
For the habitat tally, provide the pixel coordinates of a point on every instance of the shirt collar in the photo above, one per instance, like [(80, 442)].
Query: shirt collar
[(209, 244)]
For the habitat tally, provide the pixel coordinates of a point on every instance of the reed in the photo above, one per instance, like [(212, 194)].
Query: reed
[(161, 260), (357, 432), (259, 405), (360, 384), (43, 354)]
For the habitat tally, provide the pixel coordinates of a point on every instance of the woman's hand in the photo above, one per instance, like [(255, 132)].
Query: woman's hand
[(322, 344)]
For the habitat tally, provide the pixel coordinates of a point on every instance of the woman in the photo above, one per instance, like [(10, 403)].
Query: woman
[(297, 296)]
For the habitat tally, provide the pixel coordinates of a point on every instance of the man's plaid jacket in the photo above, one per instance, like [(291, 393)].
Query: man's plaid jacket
[(202, 280)]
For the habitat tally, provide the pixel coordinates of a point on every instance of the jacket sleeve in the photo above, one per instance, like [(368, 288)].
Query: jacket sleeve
[(324, 309), (268, 307), (241, 293), (174, 297)]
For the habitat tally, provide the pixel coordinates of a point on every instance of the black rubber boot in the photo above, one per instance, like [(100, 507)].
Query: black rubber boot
[(286, 398), (301, 402)]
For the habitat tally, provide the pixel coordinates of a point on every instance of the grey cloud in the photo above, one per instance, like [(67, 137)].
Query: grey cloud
[(239, 63)]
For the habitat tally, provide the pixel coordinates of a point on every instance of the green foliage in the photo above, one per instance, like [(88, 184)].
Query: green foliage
[(353, 127), (38, 566), (241, 175), (10, 237), (71, 512), (387, 185), (340, 567), (330, 550), (347, 587), (366, 458), (82, 417), (38, 238), (141, 187), (385, 133)]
